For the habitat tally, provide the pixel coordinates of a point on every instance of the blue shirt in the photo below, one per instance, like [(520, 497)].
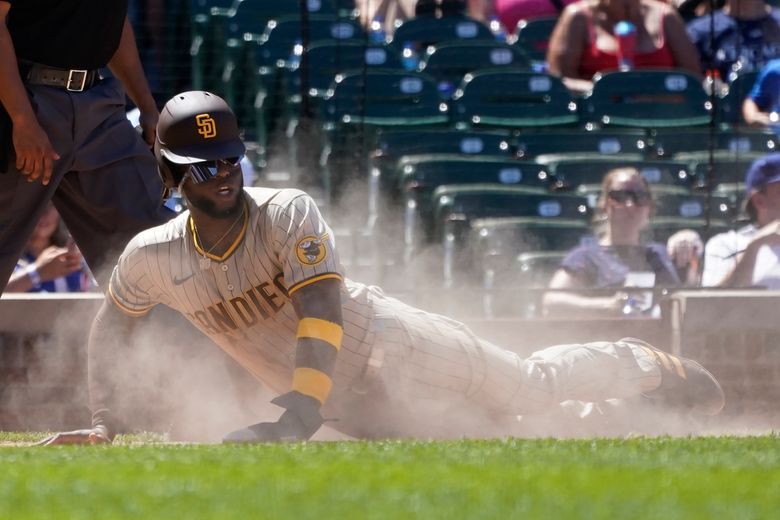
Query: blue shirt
[(601, 267), (766, 90), (751, 42)]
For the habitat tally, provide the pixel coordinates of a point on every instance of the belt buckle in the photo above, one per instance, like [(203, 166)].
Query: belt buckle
[(79, 88)]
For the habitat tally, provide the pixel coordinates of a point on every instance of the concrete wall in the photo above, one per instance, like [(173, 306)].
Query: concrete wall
[(173, 377)]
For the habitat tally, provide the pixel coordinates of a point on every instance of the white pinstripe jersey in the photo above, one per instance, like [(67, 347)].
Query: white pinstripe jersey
[(241, 299)]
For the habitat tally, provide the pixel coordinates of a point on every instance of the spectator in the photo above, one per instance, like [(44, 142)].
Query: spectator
[(746, 36), (762, 105), (749, 255), (583, 42), (50, 262), (509, 12), (619, 257)]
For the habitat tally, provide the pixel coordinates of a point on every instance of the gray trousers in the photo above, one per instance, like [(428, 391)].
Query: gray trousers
[(105, 184)]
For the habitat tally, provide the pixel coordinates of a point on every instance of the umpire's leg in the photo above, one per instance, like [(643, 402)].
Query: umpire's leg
[(113, 190)]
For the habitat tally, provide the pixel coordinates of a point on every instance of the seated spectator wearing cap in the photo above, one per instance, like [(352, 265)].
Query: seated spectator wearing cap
[(50, 261), (584, 43), (742, 36), (762, 105), (619, 259), (749, 256)]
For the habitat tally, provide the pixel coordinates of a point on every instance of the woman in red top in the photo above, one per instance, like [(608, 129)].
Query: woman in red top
[(583, 41)]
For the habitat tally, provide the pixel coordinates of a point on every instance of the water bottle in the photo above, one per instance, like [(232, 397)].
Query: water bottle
[(625, 32), (497, 29), (409, 58), (376, 32)]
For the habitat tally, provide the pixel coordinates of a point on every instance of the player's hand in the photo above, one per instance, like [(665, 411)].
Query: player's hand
[(299, 422), (148, 121), (35, 155), (54, 262), (87, 436)]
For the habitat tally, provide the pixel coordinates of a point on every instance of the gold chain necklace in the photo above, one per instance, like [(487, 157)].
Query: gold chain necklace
[(205, 261)]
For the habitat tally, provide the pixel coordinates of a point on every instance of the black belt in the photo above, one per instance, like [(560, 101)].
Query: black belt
[(73, 80)]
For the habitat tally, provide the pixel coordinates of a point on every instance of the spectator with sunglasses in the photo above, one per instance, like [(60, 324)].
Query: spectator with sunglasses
[(618, 258)]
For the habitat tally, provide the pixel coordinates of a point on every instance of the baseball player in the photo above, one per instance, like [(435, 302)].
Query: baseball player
[(257, 270)]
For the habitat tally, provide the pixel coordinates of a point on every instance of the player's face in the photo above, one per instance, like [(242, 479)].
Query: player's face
[(217, 197)]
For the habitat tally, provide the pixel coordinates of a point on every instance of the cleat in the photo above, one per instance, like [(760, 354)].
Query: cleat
[(685, 384)]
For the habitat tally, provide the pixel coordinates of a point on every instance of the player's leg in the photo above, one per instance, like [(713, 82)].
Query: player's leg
[(113, 190)]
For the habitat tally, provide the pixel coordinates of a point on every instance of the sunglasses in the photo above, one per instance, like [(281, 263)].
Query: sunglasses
[(640, 198), (207, 170)]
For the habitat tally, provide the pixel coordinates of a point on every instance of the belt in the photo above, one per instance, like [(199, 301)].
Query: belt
[(73, 80)]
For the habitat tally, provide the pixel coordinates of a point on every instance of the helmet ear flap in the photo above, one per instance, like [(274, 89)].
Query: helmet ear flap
[(170, 175)]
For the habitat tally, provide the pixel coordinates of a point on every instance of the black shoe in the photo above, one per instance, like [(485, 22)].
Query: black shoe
[(685, 384)]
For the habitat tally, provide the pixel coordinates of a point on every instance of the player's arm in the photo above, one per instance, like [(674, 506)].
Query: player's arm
[(34, 153), (126, 65), (320, 331), (110, 333)]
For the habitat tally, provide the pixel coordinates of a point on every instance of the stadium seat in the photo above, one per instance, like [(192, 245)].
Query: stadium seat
[(697, 144), (514, 257), (393, 144), (571, 173), (647, 98), (532, 37), (420, 175), (422, 31), (555, 145), (325, 59), (457, 206), (257, 86), (512, 99), (449, 61), (361, 102)]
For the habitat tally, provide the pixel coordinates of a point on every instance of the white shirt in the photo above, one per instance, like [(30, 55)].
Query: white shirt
[(720, 259)]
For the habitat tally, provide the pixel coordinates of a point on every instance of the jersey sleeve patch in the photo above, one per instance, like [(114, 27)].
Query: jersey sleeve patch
[(312, 250)]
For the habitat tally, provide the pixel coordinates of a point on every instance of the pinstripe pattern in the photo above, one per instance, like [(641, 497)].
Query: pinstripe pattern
[(242, 303)]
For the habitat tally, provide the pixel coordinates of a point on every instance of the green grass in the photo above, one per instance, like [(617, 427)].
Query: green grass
[(665, 478)]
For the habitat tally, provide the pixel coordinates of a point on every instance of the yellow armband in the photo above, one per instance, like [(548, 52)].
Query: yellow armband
[(322, 341)]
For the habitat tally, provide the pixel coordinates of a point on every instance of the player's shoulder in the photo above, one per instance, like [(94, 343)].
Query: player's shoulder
[(279, 198), (152, 238)]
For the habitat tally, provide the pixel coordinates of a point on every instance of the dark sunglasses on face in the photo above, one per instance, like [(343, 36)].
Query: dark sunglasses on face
[(640, 198), (207, 170)]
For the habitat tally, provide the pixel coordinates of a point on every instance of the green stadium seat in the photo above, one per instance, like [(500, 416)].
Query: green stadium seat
[(532, 37), (571, 173), (362, 102), (556, 145), (394, 144), (326, 59), (422, 31), (697, 144), (420, 175), (512, 99), (257, 78), (647, 98), (449, 61), (457, 206)]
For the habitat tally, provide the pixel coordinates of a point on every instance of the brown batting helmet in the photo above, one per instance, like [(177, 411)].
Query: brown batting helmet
[(194, 126)]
